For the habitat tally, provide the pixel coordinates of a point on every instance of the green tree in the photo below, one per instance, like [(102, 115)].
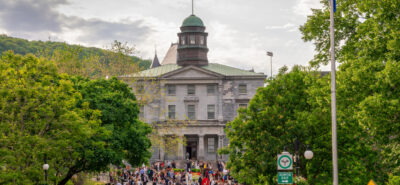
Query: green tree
[(82, 125), (118, 59), (277, 115), (363, 29), (39, 116), (368, 44), (128, 137)]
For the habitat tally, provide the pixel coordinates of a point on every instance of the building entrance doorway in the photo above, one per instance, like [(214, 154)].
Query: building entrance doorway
[(191, 150)]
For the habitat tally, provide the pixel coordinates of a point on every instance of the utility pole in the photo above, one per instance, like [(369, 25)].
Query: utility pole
[(333, 94), (269, 53)]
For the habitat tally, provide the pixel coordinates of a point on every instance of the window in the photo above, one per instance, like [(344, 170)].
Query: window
[(141, 113), (191, 112), (201, 39), (211, 111), (211, 145), (183, 40), (171, 90), (242, 89), (210, 89), (171, 111), (191, 90), (243, 105), (192, 39)]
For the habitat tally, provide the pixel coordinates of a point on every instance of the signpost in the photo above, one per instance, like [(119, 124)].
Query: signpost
[(285, 167), (285, 177)]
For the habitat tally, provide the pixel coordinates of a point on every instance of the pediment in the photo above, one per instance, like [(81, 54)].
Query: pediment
[(192, 72)]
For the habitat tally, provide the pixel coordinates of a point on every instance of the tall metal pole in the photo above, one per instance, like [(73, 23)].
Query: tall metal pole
[(45, 171), (271, 66), (269, 53), (296, 155), (333, 97)]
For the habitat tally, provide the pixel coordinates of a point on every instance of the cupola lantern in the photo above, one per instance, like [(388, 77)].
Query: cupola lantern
[(192, 44)]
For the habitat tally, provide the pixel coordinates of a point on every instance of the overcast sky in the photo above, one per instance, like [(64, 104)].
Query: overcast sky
[(240, 31)]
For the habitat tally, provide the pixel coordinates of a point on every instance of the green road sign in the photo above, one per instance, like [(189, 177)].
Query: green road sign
[(285, 177)]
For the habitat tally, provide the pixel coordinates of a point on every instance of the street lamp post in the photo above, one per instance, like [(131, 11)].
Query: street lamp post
[(269, 53), (308, 154), (45, 167)]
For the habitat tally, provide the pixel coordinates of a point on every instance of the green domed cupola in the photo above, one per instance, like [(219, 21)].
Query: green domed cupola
[(192, 20), (192, 44)]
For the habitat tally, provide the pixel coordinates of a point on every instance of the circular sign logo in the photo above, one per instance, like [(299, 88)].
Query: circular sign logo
[(285, 162)]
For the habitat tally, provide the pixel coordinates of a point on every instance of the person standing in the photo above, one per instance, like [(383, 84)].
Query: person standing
[(200, 179), (205, 181)]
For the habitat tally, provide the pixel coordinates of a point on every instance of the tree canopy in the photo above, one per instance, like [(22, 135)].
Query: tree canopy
[(118, 59), (82, 125), (297, 104)]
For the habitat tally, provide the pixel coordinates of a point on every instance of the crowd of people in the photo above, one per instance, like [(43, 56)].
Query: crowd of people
[(167, 173)]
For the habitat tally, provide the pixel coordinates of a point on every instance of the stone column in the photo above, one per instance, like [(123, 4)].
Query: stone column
[(220, 97), (180, 148), (220, 144), (201, 148), (162, 154), (163, 108)]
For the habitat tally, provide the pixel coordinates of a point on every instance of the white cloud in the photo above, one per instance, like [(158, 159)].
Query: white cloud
[(289, 27), (303, 7), (238, 35)]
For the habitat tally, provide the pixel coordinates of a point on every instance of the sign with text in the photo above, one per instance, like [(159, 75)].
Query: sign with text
[(285, 161), (285, 177)]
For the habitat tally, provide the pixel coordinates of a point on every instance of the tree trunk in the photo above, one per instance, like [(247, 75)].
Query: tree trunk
[(67, 178)]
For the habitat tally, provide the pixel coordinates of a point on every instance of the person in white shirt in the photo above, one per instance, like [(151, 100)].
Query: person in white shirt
[(190, 176)]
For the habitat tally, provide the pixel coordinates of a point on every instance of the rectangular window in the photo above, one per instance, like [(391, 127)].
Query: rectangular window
[(191, 109), (141, 113), (243, 105), (191, 90), (192, 39), (211, 145), (171, 90), (242, 89), (211, 89), (211, 111), (171, 111), (183, 41), (201, 39)]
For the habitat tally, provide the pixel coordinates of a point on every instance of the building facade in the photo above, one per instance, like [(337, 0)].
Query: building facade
[(185, 87)]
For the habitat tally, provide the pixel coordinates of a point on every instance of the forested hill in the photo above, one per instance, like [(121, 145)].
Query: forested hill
[(59, 50)]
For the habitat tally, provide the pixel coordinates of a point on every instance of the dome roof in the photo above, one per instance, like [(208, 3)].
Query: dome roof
[(192, 20)]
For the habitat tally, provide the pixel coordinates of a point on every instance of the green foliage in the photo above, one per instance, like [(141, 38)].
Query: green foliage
[(39, 116), (300, 181), (276, 115), (178, 170), (78, 60), (119, 114), (195, 170), (393, 180), (81, 125), (297, 104), (364, 29)]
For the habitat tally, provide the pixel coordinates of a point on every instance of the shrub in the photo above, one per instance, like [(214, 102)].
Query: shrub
[(300, 180), (393, 180), (195, 170)]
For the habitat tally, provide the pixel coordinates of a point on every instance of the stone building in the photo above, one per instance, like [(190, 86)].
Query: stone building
[(187, 87)]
